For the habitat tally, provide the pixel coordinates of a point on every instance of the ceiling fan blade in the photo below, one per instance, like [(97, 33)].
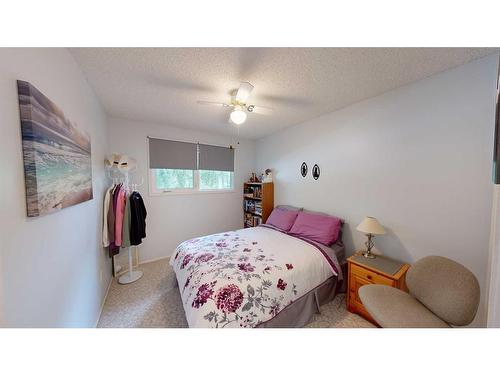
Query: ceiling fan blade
[(204, 102), (244, 92), (259, 110)]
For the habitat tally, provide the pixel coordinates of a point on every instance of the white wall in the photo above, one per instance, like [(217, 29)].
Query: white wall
[(494, 264), (2, 305), (50, 266), (173, 219), (419, 158)]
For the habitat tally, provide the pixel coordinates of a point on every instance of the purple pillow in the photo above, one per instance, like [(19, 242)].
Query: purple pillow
[(282, 218), (317, 227), (289, 208)]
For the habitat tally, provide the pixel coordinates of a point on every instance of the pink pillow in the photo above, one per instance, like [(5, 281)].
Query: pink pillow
[(317, 227), (282, 218)]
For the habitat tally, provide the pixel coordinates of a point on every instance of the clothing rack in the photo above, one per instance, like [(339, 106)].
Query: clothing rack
[(119, 176)]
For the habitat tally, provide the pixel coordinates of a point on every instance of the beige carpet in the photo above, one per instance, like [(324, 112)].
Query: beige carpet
[(154, 301)]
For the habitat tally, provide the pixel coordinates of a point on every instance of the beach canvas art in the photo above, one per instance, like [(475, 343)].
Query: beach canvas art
[(56, 153)]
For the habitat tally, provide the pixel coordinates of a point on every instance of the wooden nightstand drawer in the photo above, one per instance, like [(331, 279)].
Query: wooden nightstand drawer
[(370, 276), (354, 284), (355, 305)]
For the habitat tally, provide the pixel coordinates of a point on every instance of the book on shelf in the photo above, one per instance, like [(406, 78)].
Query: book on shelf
[(249, 206), (256, 221), (248, 220), (258, 209), (252, 191), (252, 207)]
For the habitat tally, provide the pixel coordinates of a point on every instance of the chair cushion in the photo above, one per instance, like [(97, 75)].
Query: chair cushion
[(446, 288), (393, 308)]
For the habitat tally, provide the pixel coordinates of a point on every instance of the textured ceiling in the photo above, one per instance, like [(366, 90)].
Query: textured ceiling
[(162, 85)]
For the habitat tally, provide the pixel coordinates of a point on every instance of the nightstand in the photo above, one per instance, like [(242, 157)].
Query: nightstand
[(381, 270)]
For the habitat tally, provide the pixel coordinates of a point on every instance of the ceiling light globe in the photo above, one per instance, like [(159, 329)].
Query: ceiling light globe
[(238, 116)]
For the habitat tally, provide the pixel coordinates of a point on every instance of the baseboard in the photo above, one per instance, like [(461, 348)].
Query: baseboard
[(154, 260), (103, 302)]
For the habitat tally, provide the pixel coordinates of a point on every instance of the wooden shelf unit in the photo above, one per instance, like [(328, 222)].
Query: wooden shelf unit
[(258, 202)]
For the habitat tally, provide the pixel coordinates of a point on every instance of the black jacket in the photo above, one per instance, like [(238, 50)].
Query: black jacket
[(137, 219)]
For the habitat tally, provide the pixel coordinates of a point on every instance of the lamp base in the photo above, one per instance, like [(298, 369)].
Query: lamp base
[(369, 244), (369, 254)]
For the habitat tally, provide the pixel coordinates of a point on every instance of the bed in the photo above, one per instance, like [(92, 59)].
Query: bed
[(256, 277)]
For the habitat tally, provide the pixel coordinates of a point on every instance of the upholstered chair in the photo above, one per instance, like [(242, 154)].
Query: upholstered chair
[(443, 293)]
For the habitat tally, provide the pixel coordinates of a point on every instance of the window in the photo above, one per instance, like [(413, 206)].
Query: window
[(216, 180), (183, 167), (185, 181), (166, 179)]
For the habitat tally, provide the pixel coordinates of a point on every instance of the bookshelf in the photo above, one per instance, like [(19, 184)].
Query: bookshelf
[(258, 202)]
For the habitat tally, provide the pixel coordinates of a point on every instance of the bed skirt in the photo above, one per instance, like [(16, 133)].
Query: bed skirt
[(301, 312)]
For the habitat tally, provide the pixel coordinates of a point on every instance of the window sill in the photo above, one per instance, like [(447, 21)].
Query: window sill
[(194, 192)]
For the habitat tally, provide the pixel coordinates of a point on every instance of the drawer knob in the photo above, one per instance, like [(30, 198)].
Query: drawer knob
[(369, 277)]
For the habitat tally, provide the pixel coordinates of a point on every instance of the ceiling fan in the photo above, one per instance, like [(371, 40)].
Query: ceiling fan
[(239, 105)]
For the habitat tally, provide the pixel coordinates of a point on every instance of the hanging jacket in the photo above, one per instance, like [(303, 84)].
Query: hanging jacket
[(113, 248), (119, 213), (126, 223), (111, 215), (105, 237), (137, 219)]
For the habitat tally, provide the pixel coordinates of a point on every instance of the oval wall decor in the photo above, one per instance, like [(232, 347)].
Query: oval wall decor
[(315, 171), (303, 169)]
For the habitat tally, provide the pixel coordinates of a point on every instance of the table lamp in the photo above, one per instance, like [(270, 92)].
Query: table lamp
[(370, 226)]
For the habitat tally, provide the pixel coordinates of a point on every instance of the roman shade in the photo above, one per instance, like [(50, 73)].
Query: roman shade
[(166, 154), (216, 158)]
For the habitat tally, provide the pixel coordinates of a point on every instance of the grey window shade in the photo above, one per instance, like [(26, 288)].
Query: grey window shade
[(172, 154), (216, 158)]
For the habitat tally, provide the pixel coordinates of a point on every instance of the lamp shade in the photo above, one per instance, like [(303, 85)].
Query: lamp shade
[(238, 116), (370, 225)]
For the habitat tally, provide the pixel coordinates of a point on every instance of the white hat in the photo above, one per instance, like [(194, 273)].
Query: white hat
[(121, 162)]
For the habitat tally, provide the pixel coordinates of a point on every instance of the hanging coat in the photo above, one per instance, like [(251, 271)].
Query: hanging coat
[(105, 236), (119, 213), (113, 248), (137, 219), (111, 214), (126, 224)]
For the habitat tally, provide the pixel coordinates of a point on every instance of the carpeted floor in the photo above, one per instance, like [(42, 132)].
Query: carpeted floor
[(154, 301)]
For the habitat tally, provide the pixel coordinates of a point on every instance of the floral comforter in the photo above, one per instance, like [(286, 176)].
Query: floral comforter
[(246, 277)]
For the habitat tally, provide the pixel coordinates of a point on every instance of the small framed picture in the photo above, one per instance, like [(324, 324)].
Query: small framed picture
[(315, 171), (303, 169)]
